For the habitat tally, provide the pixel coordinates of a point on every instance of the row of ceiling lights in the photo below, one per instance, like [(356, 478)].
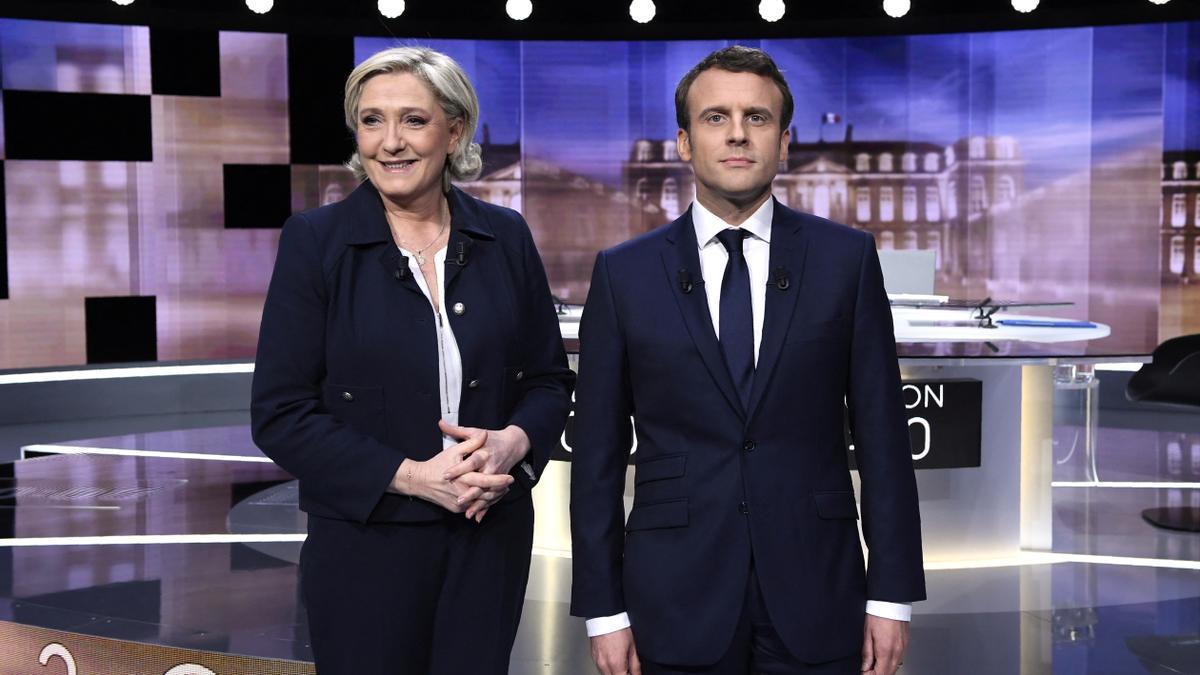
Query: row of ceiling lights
[(641, 11), (898, 8)]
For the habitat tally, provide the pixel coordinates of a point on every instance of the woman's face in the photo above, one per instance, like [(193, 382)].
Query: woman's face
[(403, 136)]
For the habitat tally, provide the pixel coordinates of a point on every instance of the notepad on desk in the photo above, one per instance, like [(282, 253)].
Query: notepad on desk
[(917, 298), (1045, 323), (943, 323)]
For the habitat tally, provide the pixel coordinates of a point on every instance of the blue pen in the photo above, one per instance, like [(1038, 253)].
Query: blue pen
[(1046, 323)]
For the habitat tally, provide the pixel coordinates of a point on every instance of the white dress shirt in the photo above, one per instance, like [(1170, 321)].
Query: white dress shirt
[(713, 257), (449, 358)]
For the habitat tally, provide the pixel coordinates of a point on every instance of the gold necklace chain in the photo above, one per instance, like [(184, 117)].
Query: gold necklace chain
[(420, 252)]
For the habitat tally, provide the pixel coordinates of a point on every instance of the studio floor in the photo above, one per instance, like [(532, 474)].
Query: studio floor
[(197, 536)]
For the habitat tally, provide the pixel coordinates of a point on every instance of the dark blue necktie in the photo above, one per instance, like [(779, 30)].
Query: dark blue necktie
[(737, 321)]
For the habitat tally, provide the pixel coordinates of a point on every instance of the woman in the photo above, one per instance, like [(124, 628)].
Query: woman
[(411, 375)]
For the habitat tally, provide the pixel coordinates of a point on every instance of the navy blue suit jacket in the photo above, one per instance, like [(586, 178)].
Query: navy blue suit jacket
[(346, 377), (717, 485)]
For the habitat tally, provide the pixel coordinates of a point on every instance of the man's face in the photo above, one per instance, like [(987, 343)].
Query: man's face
[(735, 142)]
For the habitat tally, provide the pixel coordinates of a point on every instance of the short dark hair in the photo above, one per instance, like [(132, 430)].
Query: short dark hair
[(735, 59)]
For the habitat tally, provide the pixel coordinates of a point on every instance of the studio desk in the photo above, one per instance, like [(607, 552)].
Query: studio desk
[(980, 413)]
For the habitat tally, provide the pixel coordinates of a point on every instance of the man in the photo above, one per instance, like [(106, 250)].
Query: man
[(733, 335)]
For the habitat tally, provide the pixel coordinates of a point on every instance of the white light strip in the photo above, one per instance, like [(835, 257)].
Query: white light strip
[(120, 373), (1124, 367), (125, 540), (1135, 484), (1165, 563), (83, 450), (1020, 559), (1045, 558), (27, 507), (988, 563)]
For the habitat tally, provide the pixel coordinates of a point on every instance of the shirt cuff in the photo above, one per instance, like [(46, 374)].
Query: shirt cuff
[(899, 611), (603, 625)]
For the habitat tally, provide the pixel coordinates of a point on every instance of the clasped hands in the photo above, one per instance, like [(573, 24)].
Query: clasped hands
[(469, 476)]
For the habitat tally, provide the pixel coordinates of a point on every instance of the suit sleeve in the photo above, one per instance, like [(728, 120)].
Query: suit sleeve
[(547, 381), (890, 514), (603, 437), (344, 470)]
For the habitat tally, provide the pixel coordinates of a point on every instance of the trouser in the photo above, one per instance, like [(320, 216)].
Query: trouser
[(419, 598), (757, 648)]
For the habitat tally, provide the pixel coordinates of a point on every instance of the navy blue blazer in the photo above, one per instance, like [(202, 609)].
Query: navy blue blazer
[(346, 377), (717, 485)]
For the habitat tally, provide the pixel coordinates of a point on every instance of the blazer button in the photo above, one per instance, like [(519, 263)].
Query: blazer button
[(744, 508), (459, 309), (347, 396), (520, 375), (748, 446), (473, 384)]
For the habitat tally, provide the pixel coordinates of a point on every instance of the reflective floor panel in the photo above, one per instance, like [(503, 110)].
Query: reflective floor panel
[(1061, 618)]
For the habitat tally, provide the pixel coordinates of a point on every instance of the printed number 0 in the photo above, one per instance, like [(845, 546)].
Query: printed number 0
[(924, 423)]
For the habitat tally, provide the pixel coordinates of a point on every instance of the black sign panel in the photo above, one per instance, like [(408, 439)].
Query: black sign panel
[(944, 421)]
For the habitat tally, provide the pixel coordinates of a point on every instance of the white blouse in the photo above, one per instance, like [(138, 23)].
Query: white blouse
[(449, 359)]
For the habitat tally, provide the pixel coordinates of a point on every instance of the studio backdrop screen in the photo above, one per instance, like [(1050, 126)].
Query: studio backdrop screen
[(146, 173)]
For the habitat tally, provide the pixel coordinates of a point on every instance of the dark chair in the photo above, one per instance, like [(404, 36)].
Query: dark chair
[(1172, 379)]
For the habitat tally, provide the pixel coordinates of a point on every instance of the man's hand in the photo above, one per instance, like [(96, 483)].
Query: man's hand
[(615, 653), (501, 451), (884, 644)]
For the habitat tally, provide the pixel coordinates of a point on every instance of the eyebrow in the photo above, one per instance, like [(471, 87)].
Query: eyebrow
[(753, 110), (713, 109), (402, 111)]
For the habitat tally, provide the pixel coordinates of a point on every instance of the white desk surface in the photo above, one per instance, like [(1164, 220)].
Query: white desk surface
[(902, 318)]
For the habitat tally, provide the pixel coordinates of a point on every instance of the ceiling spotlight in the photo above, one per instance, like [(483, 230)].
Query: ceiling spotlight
[(518, 10), (897, 8), (391, 8), (641, 11), (1025, 6), (771, 10), (123, 3), (1160, 2), (260, 6)]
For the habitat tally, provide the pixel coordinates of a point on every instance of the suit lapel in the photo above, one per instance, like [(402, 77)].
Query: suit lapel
[(468, 246), (368, 225), (681, 253), (788, 247), (468, 229), (395, 265), (369, 229)]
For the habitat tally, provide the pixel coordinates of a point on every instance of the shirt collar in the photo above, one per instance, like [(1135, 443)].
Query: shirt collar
[(708, 224)]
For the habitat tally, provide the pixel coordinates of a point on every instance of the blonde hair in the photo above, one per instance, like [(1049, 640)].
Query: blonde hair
[(449, 85)]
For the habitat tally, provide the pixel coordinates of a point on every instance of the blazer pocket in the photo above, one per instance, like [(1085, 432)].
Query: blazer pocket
[(831, 329), (659, 468), (673, 513), (835, 505)]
